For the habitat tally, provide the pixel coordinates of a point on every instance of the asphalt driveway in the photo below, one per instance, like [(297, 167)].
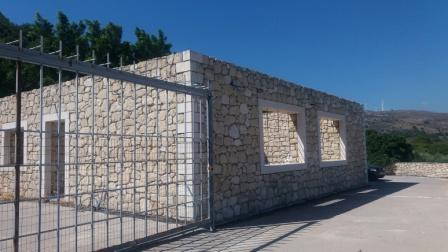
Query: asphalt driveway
[(396, 214)]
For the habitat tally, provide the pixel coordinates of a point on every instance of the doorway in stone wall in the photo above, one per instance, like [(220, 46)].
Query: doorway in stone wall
[(54, 163)]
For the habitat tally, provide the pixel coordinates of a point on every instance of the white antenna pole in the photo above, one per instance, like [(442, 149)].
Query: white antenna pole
[(382, 105)]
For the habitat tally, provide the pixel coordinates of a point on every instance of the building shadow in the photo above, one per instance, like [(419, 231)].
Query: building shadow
[(277, 227)]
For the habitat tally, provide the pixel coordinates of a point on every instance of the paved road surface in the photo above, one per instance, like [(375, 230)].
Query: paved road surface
[(396, 214)]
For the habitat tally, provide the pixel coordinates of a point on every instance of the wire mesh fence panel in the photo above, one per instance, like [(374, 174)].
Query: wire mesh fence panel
[(103, 159)]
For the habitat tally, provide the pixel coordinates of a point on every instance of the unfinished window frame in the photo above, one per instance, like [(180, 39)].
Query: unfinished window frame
[(342, 138), (46, 186), (265, 105), (11, 127)]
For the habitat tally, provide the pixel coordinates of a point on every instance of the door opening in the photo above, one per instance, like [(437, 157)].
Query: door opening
[(55, 166)]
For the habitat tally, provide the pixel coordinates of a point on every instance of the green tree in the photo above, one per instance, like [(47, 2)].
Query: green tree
[(70, 34), (89, 35), (150, 45), (429, 147), (8, 31), (386, 148)]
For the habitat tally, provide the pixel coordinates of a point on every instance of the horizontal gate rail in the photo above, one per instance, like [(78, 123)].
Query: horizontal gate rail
[(72, 65)]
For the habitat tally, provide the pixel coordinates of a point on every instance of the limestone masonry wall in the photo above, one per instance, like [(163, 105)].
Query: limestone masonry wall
[(420, 169), (240, 187), (280, 138), (330, 141)]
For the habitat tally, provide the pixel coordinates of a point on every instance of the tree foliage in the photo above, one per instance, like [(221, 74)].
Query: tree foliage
[(89, 35), (387, 148), (429, 147)]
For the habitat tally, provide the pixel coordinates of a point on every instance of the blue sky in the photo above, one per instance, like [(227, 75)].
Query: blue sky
[(367, 51)]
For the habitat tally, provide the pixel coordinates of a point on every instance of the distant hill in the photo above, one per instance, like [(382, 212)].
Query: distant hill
[(407, 120)]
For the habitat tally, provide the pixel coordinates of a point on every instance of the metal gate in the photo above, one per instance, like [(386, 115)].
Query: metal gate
[(110, 159)]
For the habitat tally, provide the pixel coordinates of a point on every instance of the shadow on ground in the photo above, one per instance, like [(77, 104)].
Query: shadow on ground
[(276, 227)]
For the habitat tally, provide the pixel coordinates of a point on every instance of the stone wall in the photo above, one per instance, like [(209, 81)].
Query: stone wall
[(330, 140), (280, 138), (240, 187), (420, 169)]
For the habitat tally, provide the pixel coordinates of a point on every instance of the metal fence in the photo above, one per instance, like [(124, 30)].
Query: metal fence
[(104, 161)]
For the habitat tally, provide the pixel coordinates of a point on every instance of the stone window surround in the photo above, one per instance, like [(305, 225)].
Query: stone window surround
[(51, 118), (342, 134), (264, 105), (9, 126)]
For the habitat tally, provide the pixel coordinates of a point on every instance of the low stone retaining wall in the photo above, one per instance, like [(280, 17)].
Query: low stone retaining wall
[(420, 169)]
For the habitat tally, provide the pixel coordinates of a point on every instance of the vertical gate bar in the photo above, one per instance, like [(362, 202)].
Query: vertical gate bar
[(17, 148), (135, 155), (210, 163), (177, 162), (157, 160), (92, 179), (122, 154), (185, 160), (58, 153), (166, 160), (146, 153), (193, 156), (77, 151), (41, 81), (108, 155), (200, 161)]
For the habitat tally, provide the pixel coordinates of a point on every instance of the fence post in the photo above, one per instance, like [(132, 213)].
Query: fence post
[(18, 149), (18, 152), (211, 213)]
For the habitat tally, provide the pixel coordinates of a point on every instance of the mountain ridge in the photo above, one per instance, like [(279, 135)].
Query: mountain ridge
[(407, 120)]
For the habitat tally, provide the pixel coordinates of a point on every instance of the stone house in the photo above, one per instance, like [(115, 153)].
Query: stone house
[(275, 143)]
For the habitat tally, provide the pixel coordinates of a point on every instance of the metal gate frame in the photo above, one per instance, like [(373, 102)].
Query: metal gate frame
[(73, 64)]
